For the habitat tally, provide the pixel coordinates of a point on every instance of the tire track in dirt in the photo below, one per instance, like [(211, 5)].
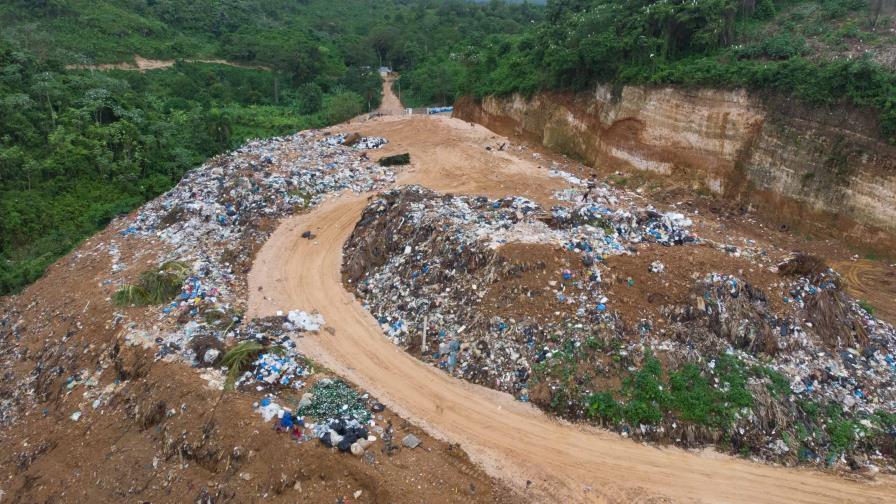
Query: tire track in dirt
[(872, 281), (546, 459)]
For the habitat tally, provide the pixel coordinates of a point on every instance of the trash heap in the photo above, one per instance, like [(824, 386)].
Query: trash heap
[(798, 373), (224, 201), (421, 261), (212, 223), (356, 141), (343, 419), (281, 366), (215, 219), (333, 399)]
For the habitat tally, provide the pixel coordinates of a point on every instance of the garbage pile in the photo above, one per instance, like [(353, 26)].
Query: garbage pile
[(344, 421), (214, 219), (279, 366), (356, 141), (223, 201), (422, 262), (813, 373), (334, 399), (212, 222)]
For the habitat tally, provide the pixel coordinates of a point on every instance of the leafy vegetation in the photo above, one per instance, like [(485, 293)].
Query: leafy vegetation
[(238, 359), (868, 307), (80, 146), (793, 47), (156, 286), (649, 394)]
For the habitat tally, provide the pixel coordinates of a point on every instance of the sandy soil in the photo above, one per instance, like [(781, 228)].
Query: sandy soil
[(141, 64), (872, 281), (548, 460), (390, 105)]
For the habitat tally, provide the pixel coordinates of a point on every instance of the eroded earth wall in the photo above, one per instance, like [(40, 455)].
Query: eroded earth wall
[(809, 169)]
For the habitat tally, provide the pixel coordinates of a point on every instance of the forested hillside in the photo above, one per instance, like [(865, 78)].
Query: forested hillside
[(78, 147), (819, 51)]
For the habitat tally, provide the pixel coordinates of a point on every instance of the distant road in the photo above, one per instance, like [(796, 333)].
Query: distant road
[(390, 105), (141, 64)]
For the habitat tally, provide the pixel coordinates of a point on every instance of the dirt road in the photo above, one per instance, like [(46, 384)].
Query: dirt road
[(141, 64), (546, 459), (872, 281), (390, 105)]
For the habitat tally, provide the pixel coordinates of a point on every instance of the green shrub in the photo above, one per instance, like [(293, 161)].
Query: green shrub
[(156, 286), (645, 394), (343, 106), (238, 359), (865, 305), (602, 405), (842, 434)]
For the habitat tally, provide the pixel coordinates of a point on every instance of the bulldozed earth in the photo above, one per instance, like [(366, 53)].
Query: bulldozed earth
[(518, 313)]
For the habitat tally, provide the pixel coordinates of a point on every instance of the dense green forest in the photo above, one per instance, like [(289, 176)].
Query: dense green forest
[(78, 147), (820, 51)]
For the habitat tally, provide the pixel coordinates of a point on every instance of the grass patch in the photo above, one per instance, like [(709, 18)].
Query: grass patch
[(238, 359), (155, 286), (865, 305)]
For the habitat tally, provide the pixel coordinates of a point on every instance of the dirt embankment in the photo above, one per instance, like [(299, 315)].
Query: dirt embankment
[(821, 172)]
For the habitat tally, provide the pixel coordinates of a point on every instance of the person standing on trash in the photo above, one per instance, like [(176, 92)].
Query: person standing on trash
[(591, 186)]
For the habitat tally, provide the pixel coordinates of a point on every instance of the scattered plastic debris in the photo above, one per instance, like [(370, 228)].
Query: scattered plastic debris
[(335, 399), (299, 320), (439, 110)]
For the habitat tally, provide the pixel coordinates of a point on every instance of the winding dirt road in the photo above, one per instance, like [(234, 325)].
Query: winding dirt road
[(546, 459)]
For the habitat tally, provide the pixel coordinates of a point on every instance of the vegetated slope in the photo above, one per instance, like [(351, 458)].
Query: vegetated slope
[(819, 51), (281, 33), (78, 147)]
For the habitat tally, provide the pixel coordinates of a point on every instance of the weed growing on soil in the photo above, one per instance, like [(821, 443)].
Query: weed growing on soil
[(305, 196), (238, 358), (155, 286), (779, 386), (843, 432), (649, 394), (865, 305)]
